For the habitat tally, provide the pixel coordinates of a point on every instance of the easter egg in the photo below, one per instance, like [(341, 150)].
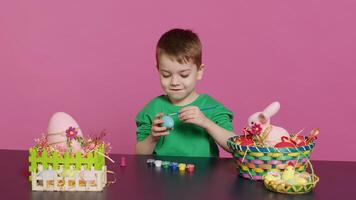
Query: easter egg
[(272, 175), (62, 127), (68, 173), (87, 175), (300, 180), (47, 174), (291, 181), (168, 122)]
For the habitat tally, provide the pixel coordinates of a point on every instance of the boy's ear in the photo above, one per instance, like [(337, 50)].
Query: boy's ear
[(201, 71)]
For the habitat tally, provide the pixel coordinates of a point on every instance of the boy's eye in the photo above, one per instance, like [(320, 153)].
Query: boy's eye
[(184, 75), (166, 75)]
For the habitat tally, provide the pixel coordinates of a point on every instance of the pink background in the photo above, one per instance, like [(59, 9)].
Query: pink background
[(95, 61)]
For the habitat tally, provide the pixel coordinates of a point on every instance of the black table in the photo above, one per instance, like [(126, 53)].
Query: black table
[(212, 179)]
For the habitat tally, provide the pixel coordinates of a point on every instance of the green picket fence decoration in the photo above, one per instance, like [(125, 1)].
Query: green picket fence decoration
[(55, 160)]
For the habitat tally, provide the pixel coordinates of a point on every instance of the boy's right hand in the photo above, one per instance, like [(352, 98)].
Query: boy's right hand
[(157, 130)]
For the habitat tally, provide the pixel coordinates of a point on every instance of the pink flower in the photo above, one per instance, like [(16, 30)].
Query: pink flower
[(71, 133), (61, 148), (91, 146), (256, 129)]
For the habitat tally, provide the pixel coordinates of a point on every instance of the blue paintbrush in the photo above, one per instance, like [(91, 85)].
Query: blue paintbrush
[(202, 109)]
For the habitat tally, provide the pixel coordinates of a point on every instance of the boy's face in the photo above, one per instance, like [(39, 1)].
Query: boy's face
[(178, 80)]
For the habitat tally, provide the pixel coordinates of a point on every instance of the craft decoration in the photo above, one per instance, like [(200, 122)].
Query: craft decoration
[(65, 160), (257, 154), (291, 182), (64, 133), (286, 142), (259, 124)]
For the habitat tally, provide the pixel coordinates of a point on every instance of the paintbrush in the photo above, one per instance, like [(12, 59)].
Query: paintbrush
[(202, 109)]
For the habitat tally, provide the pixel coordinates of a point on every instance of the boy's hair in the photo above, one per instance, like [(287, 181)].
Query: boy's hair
[(182, 45)]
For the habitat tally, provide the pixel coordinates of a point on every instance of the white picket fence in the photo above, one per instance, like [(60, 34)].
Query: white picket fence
[(51, 180)]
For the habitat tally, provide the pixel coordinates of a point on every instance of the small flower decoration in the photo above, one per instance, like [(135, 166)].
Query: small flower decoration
[(256, 129), (87, 144), (61, 148), (71, 133)]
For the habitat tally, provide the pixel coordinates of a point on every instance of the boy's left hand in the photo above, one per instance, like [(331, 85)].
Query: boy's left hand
[(193, 115)]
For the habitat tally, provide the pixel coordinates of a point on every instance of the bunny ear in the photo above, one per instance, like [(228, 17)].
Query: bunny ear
[(262, 118), (271, 109)]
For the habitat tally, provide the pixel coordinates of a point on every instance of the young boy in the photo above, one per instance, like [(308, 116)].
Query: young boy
[(202, 122)]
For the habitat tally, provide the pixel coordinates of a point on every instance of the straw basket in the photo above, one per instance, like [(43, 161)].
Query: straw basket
[(253, 162), (285, 188), (292, 189)]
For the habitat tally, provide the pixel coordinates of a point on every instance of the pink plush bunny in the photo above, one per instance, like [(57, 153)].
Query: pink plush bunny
[(263, 119)]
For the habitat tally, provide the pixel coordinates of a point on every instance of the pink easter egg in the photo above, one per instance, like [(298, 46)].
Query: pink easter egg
[(60, 127)]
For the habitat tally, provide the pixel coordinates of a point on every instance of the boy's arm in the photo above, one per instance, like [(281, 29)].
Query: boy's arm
[(192, 114), (219, 134), (147, 145)]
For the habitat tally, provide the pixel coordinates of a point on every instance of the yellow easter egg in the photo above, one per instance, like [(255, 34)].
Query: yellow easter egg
[(300, 181), (68, 173)]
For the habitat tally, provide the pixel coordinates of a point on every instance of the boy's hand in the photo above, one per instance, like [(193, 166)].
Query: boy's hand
[(193, 115), (157, 130)]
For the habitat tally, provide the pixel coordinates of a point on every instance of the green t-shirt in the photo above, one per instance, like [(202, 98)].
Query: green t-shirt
[(185, 139)]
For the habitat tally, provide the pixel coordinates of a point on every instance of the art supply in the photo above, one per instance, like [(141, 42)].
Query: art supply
[(165, 164), (181, 167), (150, 162), (123, 162), (158, 163), (201, 109), (174, 166), (190, 168)]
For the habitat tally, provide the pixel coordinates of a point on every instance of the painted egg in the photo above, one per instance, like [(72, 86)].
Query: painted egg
[(300, 181), (61, 127), (87, 175), (272, 176), (168, 122), (47, 174), (68, 173)]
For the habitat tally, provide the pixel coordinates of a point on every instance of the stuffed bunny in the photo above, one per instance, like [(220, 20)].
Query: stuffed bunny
[(263, 119)]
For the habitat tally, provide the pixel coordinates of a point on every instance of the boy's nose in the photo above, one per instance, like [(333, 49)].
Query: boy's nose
[(174, 80)]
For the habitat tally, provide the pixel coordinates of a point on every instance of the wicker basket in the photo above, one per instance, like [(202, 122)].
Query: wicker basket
[(253, 162), (285, 188), (291, 189)]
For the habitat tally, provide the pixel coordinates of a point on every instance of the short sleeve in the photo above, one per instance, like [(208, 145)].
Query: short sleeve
[(143, 124), (223, 117)]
